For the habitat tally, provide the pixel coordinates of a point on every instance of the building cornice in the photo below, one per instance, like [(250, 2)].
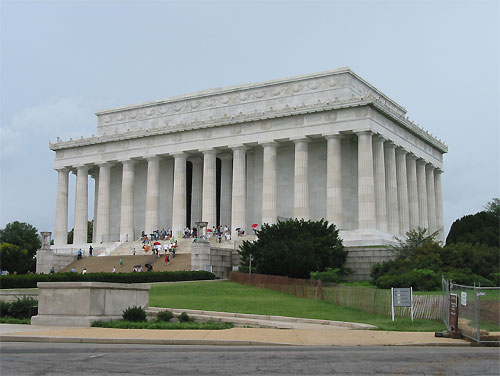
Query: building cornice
[(379, 103)]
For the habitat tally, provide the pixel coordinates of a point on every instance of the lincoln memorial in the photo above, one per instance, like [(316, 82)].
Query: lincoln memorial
[(324, 145)]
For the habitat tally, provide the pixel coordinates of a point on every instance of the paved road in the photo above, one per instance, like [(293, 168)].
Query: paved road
[(94, 359)]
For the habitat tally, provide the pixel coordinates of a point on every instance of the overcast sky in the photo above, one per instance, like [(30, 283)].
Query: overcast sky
[(61, 61)]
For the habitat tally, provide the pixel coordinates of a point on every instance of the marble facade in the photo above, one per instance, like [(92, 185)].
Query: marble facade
[(325, 145)]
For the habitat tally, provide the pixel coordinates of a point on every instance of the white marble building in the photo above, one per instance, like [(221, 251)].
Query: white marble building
[(324, 145)]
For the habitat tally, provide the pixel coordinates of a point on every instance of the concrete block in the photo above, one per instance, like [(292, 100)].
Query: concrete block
[(81, 303)]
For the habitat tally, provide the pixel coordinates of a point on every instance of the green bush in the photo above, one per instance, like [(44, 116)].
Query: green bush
[(165, 316), (30, 280), (466, 277), (294, 248), (184, 317), (330, 276), (22, 308), (4, 308), (495, 278), (134, 314), (419, 279)]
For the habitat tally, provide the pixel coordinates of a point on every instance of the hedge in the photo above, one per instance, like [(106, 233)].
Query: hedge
[(18, 281)]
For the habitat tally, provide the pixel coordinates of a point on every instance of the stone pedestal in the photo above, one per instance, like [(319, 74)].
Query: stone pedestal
[(200, 255), (81, 303)]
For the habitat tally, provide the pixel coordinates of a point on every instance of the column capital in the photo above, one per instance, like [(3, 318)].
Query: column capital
[(367, 132), (337, 135), (430, 166), (437, 170), (238, 147), (180, 154), (127, 161), (401, 150), (379, 138), (152, 158), (225, 156), (105, 164), (390, 145), (298, 140), (195, 160), (421, 161), (64, 169), (208, 151), (412, 156), (268, 143)]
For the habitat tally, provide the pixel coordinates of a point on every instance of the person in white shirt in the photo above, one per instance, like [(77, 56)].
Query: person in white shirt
[(84, 271)]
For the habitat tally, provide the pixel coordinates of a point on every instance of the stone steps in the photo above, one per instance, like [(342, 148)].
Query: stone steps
[(106, 263)]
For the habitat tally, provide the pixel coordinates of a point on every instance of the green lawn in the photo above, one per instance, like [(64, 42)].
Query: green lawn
[(155, 324), (232, 297)]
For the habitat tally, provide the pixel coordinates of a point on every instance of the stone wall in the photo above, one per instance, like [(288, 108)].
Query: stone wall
[(46, 259), (81, 303), (218, 260), (361, 259)]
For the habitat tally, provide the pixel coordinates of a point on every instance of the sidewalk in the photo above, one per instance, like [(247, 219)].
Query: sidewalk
[(234, 336)]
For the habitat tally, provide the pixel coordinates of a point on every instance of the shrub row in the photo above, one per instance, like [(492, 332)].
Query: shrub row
[(30, 280), (19, 309), (429, 280)]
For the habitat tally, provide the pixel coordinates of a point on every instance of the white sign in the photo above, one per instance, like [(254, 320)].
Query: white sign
[(463, 298)]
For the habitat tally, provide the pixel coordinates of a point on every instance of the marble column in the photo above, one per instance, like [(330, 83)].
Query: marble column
[(209, 208), (95, 176), (431, 197), (239, 197), (81, 205), (367, 217), (301, 180), (61, 222), (422, 195), (438, 191), (179, 199), (269, 215), (379, 176), (391, 188), (127, 232), (226, 183), (102, 228), (411, 170), (334, 203), (196, 190), (401, 178), (152, 195)]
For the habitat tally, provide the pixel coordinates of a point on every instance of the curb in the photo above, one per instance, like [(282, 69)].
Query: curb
[(139, 341), (194, 342), (280, 322)]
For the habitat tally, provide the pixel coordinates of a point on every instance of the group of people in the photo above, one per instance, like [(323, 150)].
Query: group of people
[(80, 253)]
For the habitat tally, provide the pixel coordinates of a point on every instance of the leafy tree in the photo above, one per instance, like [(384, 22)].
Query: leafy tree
[(479, 228), (23, 235), (295, 248), (420, 260), (90, 230), (14, 259), (493, 206)]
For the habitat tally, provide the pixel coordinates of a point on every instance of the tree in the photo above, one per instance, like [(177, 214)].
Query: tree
[(493, 206), (23, 235), (479, 228), (90, 231), (14, 259), (295, 248)]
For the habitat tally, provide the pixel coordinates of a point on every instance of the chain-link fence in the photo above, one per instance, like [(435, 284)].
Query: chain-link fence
[(478, 310)]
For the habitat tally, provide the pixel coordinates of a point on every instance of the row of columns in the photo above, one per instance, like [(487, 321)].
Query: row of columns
[(396, 191)]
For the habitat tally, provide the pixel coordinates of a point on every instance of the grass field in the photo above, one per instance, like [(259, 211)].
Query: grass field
[(232, 297)]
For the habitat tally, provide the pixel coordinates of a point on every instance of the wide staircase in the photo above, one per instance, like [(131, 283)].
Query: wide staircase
[(125, 251)]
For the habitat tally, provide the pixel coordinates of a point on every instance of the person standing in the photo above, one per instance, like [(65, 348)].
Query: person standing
[(114, 270), (84, 271), (90, 250)]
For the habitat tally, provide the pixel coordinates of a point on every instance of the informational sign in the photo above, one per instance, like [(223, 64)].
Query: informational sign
[(402, 297), (463, 298)]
